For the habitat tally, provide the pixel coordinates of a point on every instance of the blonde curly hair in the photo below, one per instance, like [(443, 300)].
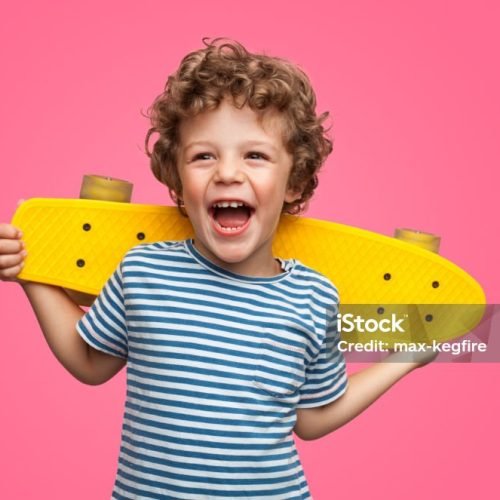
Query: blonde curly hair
[(226, 69)]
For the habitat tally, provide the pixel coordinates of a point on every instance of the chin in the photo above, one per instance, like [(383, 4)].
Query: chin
[(232, 257)]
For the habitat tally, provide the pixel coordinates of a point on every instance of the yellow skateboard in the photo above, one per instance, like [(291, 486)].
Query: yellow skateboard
[(77, 243)]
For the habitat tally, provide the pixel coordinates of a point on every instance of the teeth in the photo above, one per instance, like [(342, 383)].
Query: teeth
[(228, 229), (225, 204)]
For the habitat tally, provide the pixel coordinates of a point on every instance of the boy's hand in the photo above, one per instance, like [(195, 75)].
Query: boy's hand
[(416, 359), (426, 357), (12, 253)]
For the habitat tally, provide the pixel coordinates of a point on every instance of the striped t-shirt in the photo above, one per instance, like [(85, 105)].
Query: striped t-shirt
[(217, 364)]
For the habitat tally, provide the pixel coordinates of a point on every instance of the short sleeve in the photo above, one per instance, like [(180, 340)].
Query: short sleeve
[(326, 376), (104, 325)]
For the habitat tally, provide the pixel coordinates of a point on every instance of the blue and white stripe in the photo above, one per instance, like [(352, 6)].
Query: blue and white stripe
[(217, 364)]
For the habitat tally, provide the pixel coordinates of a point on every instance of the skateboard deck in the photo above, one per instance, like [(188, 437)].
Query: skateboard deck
[(77, 244)]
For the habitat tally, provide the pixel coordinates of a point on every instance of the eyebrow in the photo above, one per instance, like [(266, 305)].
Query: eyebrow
[(247, 144), (260, 143), (196, 143)]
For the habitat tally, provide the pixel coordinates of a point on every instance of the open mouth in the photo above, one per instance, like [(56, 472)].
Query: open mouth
[(231, 217)]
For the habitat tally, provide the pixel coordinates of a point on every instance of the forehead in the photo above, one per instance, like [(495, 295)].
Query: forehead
[(229, 121)]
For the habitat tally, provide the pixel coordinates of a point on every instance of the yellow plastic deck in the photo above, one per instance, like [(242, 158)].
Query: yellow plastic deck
[(77, 244)]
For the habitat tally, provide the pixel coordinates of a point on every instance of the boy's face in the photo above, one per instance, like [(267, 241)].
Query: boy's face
[(226, 154)]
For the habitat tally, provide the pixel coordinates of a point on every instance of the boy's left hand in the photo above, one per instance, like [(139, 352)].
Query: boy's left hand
[(426, 357), (418, 359)]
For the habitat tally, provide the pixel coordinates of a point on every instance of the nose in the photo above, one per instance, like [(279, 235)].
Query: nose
[(228, 170)]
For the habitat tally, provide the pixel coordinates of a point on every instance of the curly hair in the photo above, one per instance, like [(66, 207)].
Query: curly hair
[(226, 69)]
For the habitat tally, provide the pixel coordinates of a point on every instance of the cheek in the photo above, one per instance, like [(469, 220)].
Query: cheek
[(271, 193), (191, 186)]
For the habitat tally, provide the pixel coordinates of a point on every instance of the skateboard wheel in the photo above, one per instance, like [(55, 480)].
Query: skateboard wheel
[(97, 187), (424, 240)]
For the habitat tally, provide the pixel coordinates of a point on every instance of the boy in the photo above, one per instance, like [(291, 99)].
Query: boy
[(228, 349)]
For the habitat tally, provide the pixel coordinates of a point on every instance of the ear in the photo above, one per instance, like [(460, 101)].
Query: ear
[(291, 196)]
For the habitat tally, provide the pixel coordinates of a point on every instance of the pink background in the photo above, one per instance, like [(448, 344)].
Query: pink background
[(413, 91)]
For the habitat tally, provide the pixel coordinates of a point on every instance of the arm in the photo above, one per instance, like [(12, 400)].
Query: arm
[(57, 315), (364, 387)]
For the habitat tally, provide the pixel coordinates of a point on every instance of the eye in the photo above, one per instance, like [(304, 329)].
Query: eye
[(255, 155), (201, 156)]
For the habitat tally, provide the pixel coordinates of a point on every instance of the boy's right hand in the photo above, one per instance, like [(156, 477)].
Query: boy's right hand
[(12, 253)]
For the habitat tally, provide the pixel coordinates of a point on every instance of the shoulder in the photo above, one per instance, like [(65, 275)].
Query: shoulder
[(321, 286), (155, 252)]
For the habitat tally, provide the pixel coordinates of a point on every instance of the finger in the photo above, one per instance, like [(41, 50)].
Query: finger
[(8, 261), (10, 246), (9, 231), (11, 273)]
